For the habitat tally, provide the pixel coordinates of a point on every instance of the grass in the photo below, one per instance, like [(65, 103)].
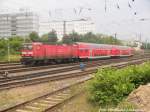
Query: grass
[(12, 58), (78, 104), (82, 104), (126, 105)]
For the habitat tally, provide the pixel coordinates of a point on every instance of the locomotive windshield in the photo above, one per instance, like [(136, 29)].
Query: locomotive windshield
[(27, 46)]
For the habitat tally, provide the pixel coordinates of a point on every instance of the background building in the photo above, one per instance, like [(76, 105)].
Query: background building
[(24, 22), (5, 25), (44, 27), (18, 24), (67, 27)]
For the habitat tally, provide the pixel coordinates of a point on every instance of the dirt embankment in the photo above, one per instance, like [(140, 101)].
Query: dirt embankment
[(141, 98)]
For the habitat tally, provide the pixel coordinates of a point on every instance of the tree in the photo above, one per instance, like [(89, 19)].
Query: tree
[(74, 36), (3, 47), (15, 43), (67, 40), (146, 46), (89, 37), (44, 38), (34, 37), (52, 37)]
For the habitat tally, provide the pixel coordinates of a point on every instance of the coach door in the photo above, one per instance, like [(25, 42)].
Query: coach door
[(84, 53)]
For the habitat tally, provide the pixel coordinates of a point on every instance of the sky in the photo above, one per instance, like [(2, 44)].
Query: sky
[(118, 17)]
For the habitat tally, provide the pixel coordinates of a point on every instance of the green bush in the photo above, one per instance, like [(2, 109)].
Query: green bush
[(110, 86), (14, 43)]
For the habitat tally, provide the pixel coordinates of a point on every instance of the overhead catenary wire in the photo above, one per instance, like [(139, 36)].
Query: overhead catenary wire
[(105, 5), (129, 5)]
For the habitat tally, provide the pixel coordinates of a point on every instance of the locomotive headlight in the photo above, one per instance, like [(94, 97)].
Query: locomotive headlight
[(23, 53), (27, 53), (30, 53)]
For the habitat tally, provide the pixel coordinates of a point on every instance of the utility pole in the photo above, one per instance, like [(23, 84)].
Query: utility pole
[(64, 28), (146, 46), (115, 38), (140, 35), (105, 5), (115, 35), (8, 51)]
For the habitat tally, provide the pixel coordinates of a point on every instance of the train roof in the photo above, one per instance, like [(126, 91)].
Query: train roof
[(88, 45), (93, 45)]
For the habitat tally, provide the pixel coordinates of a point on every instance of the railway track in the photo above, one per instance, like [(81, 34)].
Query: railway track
[(27, 69), (52, 75), (22, 68), (47, 102), (9, 67), (17, 67), (44, 70), (6, 62), (9, 64)]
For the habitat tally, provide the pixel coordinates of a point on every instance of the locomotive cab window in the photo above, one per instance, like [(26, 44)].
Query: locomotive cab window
[(27, 46)]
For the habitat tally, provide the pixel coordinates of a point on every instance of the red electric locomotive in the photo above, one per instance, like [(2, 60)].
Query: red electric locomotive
[(36, 53)]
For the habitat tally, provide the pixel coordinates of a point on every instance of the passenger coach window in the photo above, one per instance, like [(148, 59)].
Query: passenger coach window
[(83, 50), (86, 50)]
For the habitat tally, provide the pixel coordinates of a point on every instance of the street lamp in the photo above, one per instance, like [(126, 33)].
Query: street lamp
[(144, 19), (8, 46), (8, 49)]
